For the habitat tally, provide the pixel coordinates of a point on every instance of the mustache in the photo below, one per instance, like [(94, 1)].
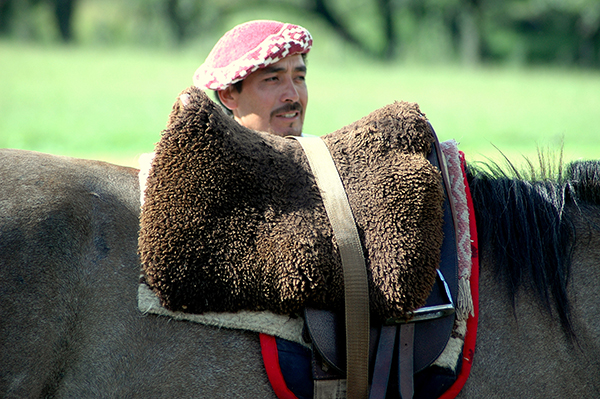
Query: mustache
[(289, 107)]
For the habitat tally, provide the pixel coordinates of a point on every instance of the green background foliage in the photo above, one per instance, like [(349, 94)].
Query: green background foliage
[(107, 95)]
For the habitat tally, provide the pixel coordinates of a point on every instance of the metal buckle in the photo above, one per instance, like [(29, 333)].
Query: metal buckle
[(428, 312)]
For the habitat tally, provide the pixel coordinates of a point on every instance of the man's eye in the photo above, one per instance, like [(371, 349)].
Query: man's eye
[(271, 79)]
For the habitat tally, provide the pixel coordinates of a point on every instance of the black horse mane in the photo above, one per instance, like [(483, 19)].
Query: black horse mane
[(522, 220)]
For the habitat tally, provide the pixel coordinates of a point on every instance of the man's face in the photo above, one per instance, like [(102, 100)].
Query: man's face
[(272, 99)]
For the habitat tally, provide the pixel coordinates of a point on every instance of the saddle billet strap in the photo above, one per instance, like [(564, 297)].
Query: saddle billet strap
[(383, 362), (384, 359), (406, 367), (353, 263)]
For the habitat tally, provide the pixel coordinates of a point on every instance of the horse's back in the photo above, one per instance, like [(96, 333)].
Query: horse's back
[(69, 271)]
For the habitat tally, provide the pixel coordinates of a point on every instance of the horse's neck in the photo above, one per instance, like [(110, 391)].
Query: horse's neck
[(585, 282), (523, 351)]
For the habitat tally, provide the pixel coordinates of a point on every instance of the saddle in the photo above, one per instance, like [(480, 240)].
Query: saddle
[(398, 348), (233, 220)]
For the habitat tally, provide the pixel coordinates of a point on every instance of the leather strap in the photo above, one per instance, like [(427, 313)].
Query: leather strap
[(406, 367), (353, 263), (442, 165), (383, 362)]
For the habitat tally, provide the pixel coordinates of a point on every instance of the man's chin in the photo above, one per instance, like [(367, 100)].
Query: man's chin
[(284, 132)]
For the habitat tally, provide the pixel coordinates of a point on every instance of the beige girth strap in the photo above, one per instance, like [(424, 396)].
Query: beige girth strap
[(353, 264)]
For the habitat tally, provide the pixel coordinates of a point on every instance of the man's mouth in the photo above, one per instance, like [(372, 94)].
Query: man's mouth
[(290, 115), (289, 111)]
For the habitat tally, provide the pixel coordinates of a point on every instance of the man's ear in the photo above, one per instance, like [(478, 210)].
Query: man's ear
[(228, 98)]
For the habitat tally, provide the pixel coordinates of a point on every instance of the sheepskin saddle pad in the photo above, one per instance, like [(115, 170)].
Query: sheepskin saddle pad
[(233, 219)]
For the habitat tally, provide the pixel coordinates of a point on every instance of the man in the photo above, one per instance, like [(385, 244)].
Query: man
[(258, 71)]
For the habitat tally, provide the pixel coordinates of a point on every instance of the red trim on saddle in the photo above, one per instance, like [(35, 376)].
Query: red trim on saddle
[(469, 345), (268, 346)]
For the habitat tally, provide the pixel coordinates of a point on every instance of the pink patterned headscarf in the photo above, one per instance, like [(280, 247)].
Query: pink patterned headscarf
[(247, 48)]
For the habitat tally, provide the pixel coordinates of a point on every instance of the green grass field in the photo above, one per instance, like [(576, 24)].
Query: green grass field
[(111, 104)]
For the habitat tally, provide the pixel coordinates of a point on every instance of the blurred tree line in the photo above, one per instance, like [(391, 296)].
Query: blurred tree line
[(472, 31)]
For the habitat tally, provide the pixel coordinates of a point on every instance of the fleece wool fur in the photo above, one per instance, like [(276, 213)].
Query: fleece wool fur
[(233, 219)]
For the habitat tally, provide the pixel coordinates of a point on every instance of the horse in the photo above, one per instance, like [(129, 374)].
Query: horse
[(69, 274)]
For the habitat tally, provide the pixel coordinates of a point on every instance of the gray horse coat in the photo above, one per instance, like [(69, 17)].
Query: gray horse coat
[(69, 273)]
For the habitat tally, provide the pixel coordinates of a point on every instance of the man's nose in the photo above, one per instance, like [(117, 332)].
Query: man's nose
[(290, 91)]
